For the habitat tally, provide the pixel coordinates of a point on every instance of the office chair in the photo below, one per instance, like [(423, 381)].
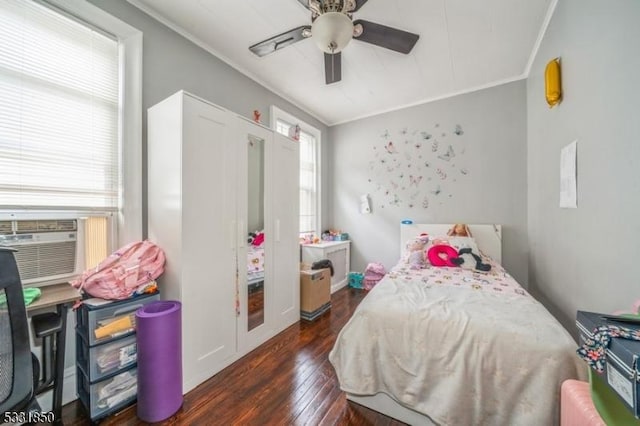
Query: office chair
[(19, 368)]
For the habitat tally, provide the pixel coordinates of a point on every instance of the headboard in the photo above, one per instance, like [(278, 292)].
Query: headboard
[(488, 237)]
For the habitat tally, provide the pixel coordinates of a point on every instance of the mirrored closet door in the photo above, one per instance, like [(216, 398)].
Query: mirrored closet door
[(255, 238)]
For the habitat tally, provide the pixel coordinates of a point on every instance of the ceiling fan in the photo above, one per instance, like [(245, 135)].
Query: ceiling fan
[(332, 28)]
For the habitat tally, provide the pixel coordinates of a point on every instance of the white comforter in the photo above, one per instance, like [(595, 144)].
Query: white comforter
[(461, 347)]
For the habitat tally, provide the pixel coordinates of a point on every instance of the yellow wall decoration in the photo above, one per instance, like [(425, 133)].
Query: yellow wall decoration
[(553, 83)]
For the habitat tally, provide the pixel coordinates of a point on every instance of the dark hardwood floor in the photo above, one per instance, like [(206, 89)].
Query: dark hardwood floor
[(286, 381)]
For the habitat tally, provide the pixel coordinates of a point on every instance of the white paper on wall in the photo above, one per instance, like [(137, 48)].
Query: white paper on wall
[(568, 176)]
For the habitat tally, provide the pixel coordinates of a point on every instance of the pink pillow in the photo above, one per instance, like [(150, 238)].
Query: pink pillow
[(441, 255)]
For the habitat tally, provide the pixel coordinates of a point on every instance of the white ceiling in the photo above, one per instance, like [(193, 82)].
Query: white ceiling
[(464, 45)]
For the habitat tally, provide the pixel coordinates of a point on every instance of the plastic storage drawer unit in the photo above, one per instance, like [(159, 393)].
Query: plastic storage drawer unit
[(101, 324), (100, 361), (109, 395)]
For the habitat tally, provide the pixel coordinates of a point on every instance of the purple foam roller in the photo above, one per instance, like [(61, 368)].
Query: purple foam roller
[(159, 336)]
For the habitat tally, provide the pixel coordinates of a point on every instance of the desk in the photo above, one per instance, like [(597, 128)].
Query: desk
[(54, 295), (59, 296)]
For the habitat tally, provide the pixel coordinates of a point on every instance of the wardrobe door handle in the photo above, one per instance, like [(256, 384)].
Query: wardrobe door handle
[(277, 239)]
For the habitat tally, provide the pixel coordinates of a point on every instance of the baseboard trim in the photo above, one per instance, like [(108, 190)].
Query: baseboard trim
[(339, 285)]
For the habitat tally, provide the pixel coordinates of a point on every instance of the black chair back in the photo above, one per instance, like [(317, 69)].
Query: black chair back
[(16, 368)]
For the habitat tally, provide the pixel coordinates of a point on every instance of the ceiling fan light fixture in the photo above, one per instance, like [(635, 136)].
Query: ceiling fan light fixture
[(332, 31)]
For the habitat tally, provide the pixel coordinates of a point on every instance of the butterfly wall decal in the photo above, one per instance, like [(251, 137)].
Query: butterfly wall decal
[(390, 147), (406, 172), (447, 156)]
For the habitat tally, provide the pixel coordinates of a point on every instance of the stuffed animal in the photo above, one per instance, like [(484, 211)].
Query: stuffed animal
[(256, 238), (442, 255), (469, 260), (415, 247), (459, 230)]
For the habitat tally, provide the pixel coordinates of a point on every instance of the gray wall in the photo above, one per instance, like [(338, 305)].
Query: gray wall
[(492, 150), (172, 63), (585, 258)]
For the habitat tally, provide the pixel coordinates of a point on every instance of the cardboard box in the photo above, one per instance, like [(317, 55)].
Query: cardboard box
[(315, 290), (622, 372)]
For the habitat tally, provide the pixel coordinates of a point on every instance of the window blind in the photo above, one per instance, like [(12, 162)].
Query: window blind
[(59, 144), (308, 178)]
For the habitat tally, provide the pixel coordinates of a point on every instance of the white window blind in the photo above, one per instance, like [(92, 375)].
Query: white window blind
[(59, 144), (308, 178)]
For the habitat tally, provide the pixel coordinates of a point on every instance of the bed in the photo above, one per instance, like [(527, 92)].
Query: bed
[(453, 346), (255, 265)]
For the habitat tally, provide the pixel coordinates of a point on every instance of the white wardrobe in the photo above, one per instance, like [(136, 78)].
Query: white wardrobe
[(213, 177)]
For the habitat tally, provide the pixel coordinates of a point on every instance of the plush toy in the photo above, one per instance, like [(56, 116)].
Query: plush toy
[(259, 239), (469, 260), (442, 255), (415, 247), (459, 230), (256, 238)]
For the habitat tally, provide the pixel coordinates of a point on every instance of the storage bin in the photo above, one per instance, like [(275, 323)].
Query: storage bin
[(355, 279), (315, 291), (103, 360), (101, 324), (109, 395), (618, 385)]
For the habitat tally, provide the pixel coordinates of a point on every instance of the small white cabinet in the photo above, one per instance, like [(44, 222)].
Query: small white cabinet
[(213, 177), (338, 252)]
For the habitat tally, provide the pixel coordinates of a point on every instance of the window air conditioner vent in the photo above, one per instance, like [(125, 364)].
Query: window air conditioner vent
[(47, 250), (29, 226), (37, 261), (5, 227)]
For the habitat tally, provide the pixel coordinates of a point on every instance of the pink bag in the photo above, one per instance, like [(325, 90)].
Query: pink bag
[(373, 273), (120, 274)]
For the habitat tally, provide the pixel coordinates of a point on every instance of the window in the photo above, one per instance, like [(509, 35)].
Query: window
[(59, 126), (70, 135), (309, 169)]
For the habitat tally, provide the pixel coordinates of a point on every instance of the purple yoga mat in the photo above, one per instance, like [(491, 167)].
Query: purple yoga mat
[(159, 335)]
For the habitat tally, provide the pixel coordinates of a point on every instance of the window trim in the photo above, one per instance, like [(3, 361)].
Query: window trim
[(130, 120), (277, 113)]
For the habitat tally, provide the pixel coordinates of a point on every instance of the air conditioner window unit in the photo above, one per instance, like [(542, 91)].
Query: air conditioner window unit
[(48, 251)]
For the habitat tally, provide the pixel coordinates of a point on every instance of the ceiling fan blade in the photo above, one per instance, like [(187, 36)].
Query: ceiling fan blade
[(387, 37), (305, 3), (272, 44), (333, 67), (359, 4)]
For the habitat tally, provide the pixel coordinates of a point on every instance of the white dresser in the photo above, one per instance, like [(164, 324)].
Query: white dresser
[(338, 252)]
